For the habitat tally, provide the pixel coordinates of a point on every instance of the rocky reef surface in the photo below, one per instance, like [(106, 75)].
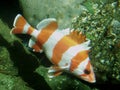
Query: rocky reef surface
[(22, 69), (101, 24)]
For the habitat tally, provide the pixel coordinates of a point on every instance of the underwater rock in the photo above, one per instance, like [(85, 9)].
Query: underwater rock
[(9, 82), (9, 78), (63, 11), (17, 64), (62, 82)]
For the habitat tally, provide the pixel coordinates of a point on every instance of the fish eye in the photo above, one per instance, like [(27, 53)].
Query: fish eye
[(87, 71)]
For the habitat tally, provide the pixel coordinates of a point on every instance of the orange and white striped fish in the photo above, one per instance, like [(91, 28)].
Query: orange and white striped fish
[(66, 49)]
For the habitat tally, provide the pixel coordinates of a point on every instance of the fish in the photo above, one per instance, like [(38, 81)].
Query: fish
[(67, 49)]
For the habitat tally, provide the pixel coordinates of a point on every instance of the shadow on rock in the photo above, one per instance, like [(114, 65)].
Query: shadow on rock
[(26, 64), (8, 10)]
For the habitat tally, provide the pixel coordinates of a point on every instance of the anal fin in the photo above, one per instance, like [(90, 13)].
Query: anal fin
[(56, 70), (34, 45)]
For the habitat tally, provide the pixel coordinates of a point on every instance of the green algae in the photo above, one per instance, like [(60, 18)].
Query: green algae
[(102, 28), (9, 82), (8, 72), (62, 82)]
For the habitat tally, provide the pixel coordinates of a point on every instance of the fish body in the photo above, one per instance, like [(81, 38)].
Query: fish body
[(67, 50)]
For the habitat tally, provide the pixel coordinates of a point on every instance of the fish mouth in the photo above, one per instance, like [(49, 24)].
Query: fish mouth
[(93, 81), (89, 78)]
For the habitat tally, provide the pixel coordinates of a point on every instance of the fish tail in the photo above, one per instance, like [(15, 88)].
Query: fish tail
[(21, 26)]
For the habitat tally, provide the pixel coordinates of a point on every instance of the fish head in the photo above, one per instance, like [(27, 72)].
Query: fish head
[(88, 74), (85, 72)]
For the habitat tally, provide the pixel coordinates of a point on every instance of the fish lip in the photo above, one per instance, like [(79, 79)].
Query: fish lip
[(93, 81)]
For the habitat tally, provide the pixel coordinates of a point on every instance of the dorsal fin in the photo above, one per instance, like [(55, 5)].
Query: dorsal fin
[(46, 22), (77, 36)]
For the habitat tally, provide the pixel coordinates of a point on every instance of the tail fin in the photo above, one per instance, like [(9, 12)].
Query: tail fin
[(21, 26)]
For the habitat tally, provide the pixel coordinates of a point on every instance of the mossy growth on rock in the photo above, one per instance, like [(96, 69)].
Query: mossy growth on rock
[(101, 26), (9, 78)]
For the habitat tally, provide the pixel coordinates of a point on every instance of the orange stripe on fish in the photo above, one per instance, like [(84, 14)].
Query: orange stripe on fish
[(62, 45), (88, 66), (30, 30), (68, 51), (88, 75), (16, 30), (19, 21), (35, 45), (81, 56), (18, 24), (44, 34), (36, 48), (77, 36), (21, 26)]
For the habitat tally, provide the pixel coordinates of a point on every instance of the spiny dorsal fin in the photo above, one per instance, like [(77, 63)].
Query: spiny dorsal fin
[(77, 36)]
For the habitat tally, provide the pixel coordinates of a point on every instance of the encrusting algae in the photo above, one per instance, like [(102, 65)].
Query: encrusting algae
[(103, 28)]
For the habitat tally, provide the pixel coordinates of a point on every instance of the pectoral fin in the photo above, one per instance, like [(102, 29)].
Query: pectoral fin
[(54, 71)]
